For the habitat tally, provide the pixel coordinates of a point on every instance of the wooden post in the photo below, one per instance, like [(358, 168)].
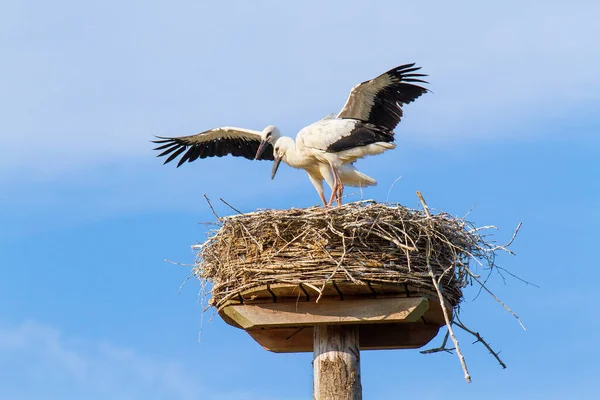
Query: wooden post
[(336, 363)]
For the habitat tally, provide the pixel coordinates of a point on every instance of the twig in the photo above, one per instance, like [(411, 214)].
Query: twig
[(230, 206), (313, 287), (425, 207), (339, 265), (391, 187), (514, 235), (184, 282), (518, 278), (211, 207), (178, 263), (480, 339), (501, 303), (461, 358), (441, 348), (436, 284), (469, 212), (484, 282)]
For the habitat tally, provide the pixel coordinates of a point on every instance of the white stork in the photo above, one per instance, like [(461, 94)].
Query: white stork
[(326, 149)]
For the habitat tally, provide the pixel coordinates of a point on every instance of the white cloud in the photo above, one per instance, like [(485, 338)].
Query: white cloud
[(39, 362)]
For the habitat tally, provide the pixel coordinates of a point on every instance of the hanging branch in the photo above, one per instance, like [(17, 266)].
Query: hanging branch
[(458, 323), (436, 284), (441, 348)]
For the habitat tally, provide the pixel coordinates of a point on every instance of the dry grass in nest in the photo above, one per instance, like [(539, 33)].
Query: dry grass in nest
[(362, 242)]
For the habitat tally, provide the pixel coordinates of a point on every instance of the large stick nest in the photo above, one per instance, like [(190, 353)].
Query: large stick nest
[(362, 242)]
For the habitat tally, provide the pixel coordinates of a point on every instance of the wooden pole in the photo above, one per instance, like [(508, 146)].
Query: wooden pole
[(336, 363)]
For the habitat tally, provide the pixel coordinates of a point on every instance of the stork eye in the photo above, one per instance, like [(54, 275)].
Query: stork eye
[(268, 134)]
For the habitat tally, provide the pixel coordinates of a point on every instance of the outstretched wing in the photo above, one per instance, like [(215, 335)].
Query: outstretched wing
[(380, 100), (217, 142)]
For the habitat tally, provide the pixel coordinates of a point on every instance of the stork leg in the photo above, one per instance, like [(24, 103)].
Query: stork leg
[(340, 193), (317, 182), (333, 189), (333, 196), (323, 199), (338, 187)]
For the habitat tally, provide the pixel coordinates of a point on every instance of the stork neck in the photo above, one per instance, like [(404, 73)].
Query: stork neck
[(292, 156)]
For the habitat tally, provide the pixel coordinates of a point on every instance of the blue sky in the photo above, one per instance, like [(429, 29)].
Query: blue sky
[(88, 215)]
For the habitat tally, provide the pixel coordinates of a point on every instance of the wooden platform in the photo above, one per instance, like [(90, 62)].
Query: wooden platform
[(281, 317)]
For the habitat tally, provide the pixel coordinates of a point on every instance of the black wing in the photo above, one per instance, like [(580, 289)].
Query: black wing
[(380, 100), (361, 135), (217, 142)]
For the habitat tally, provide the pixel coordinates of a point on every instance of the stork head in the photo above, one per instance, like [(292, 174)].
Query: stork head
[(268, 135), (279, 150)]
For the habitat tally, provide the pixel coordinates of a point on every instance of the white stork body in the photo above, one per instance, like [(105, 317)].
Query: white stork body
[(309, 152), (318, 168), (322, 135), (327, 148)]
